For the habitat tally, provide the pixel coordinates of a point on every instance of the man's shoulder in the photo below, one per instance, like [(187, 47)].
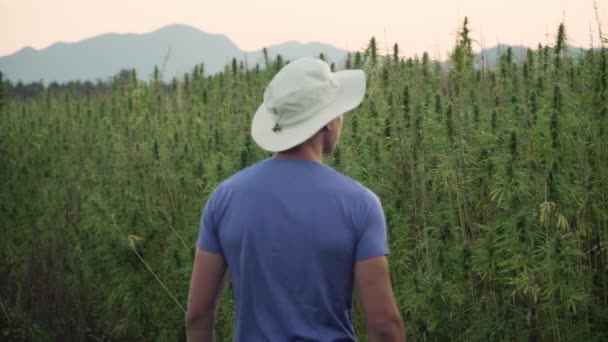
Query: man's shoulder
[(239, 180), (339, 182), (243, 175), (351, 183), (354, 188)]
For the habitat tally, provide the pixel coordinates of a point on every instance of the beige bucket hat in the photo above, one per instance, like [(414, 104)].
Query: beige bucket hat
[(303, 97)]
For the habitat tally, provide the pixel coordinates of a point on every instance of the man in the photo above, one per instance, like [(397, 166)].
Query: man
[(293, 233)]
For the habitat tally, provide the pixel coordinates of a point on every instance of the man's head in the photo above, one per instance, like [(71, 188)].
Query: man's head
[(304, 104), (325, 140), (332, 135)]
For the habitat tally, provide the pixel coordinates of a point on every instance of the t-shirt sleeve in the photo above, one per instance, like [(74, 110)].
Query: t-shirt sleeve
[(372, 240), (208, 237)]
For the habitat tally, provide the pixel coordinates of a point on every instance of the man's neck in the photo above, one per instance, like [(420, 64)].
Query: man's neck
[(304, 152)]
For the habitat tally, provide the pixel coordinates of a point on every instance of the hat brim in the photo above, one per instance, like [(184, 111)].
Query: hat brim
[(349, 95)]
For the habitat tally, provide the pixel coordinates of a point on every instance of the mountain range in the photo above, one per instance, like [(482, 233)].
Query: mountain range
[(174, 49)]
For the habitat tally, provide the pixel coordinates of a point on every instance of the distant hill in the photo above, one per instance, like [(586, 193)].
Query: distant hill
[(176, 47), (491, 56), (293, 50)]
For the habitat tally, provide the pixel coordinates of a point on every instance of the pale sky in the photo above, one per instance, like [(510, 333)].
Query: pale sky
[(417, 26)]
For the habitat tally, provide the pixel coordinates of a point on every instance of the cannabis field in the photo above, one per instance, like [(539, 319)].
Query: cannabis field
[(494, 183)]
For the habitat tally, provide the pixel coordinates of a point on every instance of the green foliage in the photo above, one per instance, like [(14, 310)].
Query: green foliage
[(372, 52), (16, 326), (1, 93), (493, 182)]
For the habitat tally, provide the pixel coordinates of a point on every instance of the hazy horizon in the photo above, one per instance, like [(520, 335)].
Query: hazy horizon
[(426, 27)]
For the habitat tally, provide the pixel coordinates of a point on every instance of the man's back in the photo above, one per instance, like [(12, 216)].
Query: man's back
[(291, 232)]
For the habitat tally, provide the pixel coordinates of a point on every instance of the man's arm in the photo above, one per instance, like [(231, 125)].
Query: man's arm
[(384, 323), (205, 288)]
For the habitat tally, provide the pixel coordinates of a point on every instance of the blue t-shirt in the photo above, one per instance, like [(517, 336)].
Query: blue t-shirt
[(291, 232)]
